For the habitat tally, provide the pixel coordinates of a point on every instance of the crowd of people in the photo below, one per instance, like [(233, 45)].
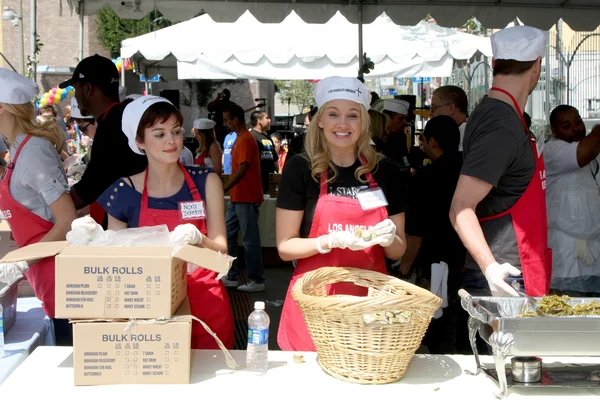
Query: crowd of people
[(468, 211)]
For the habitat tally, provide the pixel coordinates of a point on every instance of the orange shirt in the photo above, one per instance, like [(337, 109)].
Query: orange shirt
[(249, 189)]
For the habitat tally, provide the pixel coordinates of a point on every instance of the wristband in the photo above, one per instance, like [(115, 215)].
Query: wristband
[(319, 248)]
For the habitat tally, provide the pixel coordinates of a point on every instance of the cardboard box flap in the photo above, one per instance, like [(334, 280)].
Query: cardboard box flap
[(205, 258), (35, 251)]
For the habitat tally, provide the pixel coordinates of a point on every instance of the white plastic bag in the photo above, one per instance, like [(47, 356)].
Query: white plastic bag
[(146, 236)]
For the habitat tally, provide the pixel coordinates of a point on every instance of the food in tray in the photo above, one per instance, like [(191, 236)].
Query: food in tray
[(559, 306), (365, 234), (388, 317)]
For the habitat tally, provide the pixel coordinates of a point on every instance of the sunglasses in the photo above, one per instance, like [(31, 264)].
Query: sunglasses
[(83, 129)]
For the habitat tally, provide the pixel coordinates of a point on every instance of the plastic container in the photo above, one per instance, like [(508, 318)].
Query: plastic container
[(8, 299)]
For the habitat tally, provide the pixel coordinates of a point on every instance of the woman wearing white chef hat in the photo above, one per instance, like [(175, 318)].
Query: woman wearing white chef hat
[(340, 184), (34, 195), (209, 151), (154, 197)]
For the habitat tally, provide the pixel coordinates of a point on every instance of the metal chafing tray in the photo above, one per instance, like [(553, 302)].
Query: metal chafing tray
[(499, 323)]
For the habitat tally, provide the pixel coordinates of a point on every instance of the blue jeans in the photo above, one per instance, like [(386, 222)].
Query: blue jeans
[(244, 216)]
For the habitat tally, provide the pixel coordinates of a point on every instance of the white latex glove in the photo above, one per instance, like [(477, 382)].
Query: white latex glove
[(83, 231), (347, 240), (12, 271), (385, 233), (186, 234), (496, 274)]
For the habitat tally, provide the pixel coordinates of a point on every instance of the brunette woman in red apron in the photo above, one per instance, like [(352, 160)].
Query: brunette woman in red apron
[(34, 153), (153, 125), (209, 153), (339, 130)]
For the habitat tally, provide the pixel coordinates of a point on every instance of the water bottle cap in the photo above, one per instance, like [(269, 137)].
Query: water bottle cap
[(259, 305)]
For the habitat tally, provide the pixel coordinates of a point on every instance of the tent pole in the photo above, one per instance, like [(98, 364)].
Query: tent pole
[(360, 40), (81, 10), (33, 37)]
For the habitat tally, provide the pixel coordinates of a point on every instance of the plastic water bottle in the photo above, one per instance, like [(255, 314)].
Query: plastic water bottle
[(1, 332), (257, 354)]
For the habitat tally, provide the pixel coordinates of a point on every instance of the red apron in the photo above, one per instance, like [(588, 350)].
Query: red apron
[(28, 228), (199, 160), (207, 295), (529, 220), (341, 213)]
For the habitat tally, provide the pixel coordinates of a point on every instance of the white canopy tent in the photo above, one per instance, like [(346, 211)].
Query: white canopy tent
[(294, 49), (579, 14)]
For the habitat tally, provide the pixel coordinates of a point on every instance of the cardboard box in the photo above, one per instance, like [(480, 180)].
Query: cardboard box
[(119, 282), (7, 244), (125, 352)]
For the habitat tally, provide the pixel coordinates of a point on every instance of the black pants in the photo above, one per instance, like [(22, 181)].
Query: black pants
[(63, 332)]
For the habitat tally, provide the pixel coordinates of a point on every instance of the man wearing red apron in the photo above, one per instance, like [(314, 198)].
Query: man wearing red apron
[(207, 295), (499, 207)]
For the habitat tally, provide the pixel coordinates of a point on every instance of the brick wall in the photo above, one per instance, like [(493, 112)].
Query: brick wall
[(59, 34)]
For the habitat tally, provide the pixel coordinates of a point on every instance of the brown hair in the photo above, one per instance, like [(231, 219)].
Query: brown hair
[(512, 67), (49, 107), (155, 114), (206, 137), (378, 123), (22, 115), (319, 156)]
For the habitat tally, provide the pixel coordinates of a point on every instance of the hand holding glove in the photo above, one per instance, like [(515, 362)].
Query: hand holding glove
[(186, 234), (385, 233), (83, 231), (12, 271), (347, 240), (496, 274)]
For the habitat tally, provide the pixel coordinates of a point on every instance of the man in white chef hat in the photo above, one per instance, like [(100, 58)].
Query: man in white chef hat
[(499, 207)]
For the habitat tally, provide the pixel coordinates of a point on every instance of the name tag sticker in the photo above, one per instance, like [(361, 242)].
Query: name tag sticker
[(371, 198), (192, 210)]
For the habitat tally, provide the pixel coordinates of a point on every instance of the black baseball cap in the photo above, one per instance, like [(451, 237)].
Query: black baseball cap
[(99, 71)]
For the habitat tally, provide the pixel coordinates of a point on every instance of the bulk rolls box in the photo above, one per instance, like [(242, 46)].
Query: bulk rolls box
[(133, 351), (120, 282)]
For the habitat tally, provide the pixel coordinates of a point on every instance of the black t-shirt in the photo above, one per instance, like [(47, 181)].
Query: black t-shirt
[(497, 150), (300, 192), (268, 157), (430, 196), (111, 157)]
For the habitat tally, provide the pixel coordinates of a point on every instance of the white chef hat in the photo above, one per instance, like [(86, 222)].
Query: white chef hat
[(393, 105), (16, 89), (520, 43), (76, 112), (133, 114), (338, 88), (204, 124)]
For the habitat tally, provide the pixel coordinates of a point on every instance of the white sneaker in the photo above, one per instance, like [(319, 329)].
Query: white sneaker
[(230, 283), (252, 286)]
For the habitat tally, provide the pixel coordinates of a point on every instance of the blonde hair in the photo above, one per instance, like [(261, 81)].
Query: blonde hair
[(22, 116), (379, 122), (319, 156)]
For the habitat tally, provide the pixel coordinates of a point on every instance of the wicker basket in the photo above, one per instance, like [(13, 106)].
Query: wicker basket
[(350, 345)]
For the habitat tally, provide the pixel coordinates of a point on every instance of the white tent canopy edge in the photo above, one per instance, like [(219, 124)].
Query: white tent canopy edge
[(296, 49)]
